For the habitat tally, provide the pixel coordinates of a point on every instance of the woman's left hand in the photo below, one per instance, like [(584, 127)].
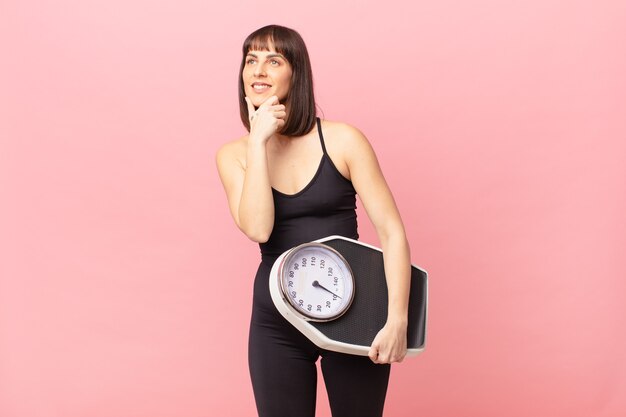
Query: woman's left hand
[(389, 345)]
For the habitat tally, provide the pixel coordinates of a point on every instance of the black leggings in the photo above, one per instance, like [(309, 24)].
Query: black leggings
[(284, 375)]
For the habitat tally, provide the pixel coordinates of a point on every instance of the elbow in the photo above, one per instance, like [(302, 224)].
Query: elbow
[(258, 237), (257, 229), (256, 234)]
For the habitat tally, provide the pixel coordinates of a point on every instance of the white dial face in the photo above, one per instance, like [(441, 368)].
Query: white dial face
[(317, 281)]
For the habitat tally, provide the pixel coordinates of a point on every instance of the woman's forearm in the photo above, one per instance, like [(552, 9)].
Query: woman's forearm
[(397, 262), (256, 207)]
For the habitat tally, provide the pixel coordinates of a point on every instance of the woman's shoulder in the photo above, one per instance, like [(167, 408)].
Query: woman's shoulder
[(342, 135), (338, 127), (233, 151), (346, 145)]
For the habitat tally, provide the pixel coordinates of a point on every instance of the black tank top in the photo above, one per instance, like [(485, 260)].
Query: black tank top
[(325, 206)]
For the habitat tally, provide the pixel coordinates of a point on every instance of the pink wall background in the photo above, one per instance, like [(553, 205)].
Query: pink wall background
[(499, 125)]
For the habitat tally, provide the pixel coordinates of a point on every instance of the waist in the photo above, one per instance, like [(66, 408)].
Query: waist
[(285, 237)]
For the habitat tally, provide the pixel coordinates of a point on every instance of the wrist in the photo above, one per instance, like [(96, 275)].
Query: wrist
[(397, 320), (256, 149), (256, 141)]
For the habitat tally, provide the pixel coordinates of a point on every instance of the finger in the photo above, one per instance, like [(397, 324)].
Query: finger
[(373, 353), (399, 355), (386, 354), (251, 109), (269, 102), (382, 358)]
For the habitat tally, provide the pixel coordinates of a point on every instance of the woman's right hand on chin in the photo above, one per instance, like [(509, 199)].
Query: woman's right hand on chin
[(266, 120)]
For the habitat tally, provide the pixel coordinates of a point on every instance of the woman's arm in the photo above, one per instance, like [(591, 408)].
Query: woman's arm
[(390, 344), (247, 186)]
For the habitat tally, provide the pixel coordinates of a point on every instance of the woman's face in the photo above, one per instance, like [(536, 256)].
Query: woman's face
[(266, 74)]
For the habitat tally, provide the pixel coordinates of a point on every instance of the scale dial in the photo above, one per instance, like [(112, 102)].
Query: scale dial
[(316, 281)]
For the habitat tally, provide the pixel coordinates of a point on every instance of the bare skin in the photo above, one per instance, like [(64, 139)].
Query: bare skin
[(252, 165)]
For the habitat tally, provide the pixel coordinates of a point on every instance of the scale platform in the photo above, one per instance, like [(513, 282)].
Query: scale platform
[(355, 330)]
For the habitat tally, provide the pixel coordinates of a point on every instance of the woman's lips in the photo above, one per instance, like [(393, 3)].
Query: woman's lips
[(260, 87)]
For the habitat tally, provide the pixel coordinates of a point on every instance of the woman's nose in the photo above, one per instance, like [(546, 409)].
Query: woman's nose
[(259, 70)]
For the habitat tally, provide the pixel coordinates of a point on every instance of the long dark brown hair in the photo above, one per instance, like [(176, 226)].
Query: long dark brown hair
[(300, 98)]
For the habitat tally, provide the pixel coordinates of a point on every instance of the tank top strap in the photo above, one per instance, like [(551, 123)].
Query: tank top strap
[(319, 131)]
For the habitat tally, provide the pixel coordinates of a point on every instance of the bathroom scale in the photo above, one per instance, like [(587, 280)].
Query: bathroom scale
[(334, 291)]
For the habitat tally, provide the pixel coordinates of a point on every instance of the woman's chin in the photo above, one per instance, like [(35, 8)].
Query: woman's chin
[(258, 98)]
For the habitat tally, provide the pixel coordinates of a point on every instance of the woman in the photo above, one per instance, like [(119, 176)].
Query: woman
[(291, 180)]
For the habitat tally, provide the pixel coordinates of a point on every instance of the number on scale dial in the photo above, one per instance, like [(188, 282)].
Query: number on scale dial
[(317, 281)]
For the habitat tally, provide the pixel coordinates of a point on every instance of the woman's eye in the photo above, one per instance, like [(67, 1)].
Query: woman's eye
[(250, 61), (274, 62)]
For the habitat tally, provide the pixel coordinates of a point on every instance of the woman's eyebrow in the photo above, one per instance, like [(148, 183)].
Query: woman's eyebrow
[(267, 56)]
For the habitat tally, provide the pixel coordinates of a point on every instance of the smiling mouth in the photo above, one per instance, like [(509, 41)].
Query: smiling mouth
[(260, 87)]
